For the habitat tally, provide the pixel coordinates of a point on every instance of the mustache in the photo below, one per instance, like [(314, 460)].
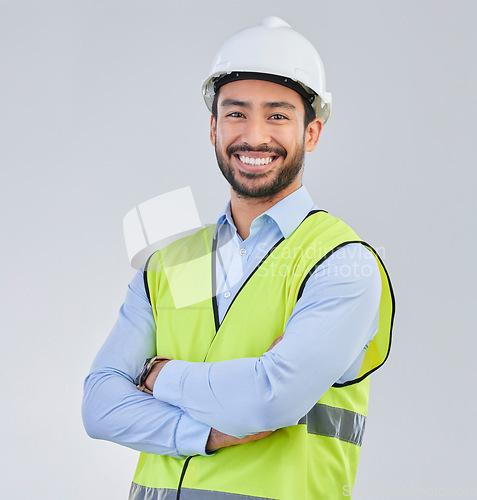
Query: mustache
[(236, 148)]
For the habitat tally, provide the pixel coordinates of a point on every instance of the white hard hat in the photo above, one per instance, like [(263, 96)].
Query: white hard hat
[(271, 49)]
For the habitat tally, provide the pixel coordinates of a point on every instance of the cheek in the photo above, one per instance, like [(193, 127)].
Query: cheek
[(288, 137), (291, 144), (224, 138), (218, 141)]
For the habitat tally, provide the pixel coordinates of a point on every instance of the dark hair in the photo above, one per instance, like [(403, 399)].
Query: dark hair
[(310, 114)]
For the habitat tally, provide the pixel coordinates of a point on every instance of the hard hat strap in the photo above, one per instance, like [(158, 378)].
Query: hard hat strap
[(281, 80)]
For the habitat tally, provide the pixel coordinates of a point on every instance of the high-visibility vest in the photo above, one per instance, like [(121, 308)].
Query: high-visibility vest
[(318, 457)]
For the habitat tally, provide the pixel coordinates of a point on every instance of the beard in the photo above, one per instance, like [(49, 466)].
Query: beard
[(268, 183)]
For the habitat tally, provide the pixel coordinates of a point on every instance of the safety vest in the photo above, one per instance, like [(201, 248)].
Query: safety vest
[(318, 457)]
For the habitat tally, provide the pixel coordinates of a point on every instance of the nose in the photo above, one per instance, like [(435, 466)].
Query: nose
[(256, 132)]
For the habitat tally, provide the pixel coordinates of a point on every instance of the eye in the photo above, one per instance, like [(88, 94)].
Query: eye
[(236, 114), (278, 116)]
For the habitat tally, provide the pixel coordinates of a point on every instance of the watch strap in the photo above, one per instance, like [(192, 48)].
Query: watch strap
[(146, 369)]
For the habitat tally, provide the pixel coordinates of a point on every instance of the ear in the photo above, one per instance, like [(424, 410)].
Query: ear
[(213, 129), (312, 134)]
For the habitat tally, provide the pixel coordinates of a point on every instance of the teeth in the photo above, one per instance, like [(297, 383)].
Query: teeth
[(255, 161)]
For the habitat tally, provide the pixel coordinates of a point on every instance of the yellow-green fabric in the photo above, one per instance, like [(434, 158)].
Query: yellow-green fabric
[(296, 462)]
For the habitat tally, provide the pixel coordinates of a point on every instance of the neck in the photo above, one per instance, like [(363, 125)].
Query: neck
[(244, 210)]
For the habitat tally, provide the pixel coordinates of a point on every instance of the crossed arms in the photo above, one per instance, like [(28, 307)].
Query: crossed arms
[(324, 341), (216, 439)]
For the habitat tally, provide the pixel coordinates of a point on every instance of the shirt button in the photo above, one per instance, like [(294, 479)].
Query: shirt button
[(243, 251), (227, 295)]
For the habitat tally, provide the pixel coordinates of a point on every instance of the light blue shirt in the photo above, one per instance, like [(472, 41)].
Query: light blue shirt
[(325, 340)]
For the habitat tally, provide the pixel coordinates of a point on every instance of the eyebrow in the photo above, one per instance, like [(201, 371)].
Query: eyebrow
[(245, 104), (235, 102), (279, 104)]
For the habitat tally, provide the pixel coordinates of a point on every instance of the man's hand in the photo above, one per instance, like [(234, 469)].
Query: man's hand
[(151, 378), (275, 342), (219, 440)]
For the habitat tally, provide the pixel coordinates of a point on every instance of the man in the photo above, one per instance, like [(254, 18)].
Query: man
[(262, 329)]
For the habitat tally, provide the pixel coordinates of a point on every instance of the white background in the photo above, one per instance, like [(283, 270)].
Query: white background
[(100, 109)]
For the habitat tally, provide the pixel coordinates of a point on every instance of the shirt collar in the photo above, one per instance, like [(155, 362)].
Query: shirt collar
[(225, 217), (287, 213)]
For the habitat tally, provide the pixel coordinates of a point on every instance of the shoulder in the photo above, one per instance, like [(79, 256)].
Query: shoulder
[(320, 227), (353, 269)]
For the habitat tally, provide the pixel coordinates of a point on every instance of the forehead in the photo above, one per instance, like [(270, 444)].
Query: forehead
[(259, 93)]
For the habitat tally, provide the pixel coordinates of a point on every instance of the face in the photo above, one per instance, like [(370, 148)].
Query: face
[(260, 139)]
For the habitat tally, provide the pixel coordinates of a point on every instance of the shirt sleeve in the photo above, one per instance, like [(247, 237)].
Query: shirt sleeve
[(115, 410), (324, 342)]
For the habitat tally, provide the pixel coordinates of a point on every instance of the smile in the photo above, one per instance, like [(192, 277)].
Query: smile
[(256, 161)]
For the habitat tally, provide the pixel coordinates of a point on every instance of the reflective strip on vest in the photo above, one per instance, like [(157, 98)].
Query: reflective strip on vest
[(138, 492), (334, 422)]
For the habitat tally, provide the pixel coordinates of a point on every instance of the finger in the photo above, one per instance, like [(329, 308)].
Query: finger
[(275, 342)]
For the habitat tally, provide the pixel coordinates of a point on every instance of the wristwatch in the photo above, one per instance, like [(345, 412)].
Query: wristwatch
[(146, 369)]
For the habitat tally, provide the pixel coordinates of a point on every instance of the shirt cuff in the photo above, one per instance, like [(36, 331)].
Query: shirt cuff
[(167, 386), (191, 436)]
